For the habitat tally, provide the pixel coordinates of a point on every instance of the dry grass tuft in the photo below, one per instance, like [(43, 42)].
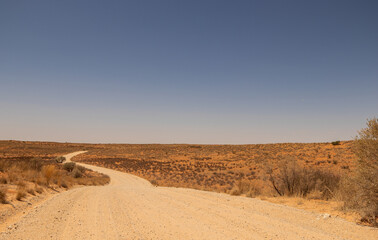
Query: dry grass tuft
[(154, 182), (3, 196), (38, 189), (48, 172), (31, 191), (20, 194), (249, 188), (3, 180)]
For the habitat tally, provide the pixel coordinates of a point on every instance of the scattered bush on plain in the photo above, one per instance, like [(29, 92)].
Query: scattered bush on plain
[(69, 166), (291, 179)]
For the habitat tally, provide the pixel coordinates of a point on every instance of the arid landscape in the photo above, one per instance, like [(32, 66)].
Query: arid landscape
[(189, 120), (208, 167), (233, 169), (131, 208), (328, 180)]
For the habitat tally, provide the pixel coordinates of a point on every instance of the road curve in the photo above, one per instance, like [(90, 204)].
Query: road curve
[(131, 208)]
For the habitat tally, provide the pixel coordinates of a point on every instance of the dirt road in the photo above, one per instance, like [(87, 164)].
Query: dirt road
[(130, 208)]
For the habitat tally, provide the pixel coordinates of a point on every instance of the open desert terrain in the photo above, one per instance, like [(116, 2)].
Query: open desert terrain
[(216, 167), (207, 167), (170, 206), (131, 208)]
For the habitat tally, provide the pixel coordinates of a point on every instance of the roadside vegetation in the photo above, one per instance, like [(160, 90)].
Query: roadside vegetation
[(356, 189), (360, 190), (25, 176)]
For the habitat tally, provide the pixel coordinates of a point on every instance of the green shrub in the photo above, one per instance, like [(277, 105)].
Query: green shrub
[(335, 143)]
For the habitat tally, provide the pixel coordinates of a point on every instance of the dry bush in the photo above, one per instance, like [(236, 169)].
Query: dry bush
[(294, 180), (3, 196), (76, 173), (60, 159), (360, 191), (69, 166), (335, 143)]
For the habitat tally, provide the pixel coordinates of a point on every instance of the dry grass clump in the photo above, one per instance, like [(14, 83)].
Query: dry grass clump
[(21, 190), (31, 191), (3, 180), (48, 172), (245, 187), (154, 182), (20, 194), (3, 196), (38, 189)]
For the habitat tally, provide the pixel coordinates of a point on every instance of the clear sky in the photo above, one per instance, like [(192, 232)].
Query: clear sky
[(187, 71)]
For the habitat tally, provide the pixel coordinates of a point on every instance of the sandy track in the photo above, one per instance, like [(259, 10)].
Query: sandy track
[(130, 208)]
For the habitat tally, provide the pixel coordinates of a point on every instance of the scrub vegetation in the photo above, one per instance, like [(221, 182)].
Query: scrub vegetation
[(21, 177), (340, 173)]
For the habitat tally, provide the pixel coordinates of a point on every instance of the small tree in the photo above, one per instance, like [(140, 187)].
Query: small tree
[(366, 149)]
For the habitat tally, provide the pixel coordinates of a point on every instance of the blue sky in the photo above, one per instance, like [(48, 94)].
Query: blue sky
[(229, 72)]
